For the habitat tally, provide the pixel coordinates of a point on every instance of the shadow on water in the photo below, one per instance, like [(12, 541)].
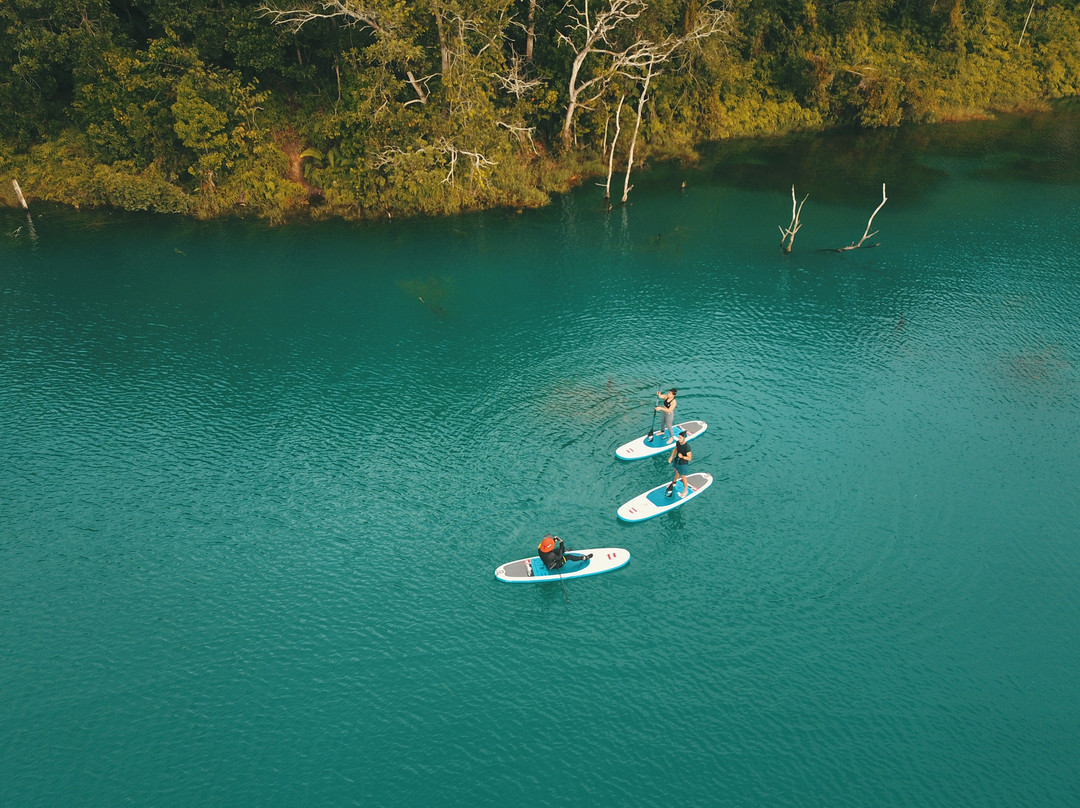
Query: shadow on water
[(1048, 368), (592, 404), (848, 167), (432, 291)]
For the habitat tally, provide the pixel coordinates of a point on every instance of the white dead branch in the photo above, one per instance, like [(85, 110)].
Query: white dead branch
[(787, 235), (524, 134), (383, 20), (515, 81), (614, 140), (867, 234)]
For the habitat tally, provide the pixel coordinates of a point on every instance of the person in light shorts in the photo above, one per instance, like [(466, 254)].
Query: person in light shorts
[(667, 419)]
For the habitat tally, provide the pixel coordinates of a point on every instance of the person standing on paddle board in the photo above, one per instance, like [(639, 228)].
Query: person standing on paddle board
[(681, 454), (553, 553), (668, 410)]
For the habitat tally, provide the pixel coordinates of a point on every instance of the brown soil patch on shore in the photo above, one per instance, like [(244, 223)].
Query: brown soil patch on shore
[(289, 141)]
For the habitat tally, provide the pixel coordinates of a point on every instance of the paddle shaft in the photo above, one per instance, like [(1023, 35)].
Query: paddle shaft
[(652, 426)]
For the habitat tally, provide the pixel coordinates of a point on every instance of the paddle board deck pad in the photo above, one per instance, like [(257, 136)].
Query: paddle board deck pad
[(647, 447), (655, 502), (533, 571)]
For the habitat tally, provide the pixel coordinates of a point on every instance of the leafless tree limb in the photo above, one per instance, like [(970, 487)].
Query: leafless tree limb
[(867, 234), (354, 13), (787, 235), (383, 21), (614, 140), (591, 34), (515, 81), (450, 151), (522, 133), (594, 34), (1026, 21), (637, 127)]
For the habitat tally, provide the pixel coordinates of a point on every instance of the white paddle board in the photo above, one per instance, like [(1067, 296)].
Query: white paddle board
[(533, 571), (655, 502), (646, 446)]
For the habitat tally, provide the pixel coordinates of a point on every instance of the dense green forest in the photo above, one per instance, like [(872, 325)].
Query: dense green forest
[(375, 108)]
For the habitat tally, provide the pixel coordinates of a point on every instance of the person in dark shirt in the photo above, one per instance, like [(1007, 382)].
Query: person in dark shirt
[(554, 553), (682, 455)]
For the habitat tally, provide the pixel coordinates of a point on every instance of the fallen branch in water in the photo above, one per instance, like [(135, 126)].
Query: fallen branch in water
[(787, 236), (867, 233)]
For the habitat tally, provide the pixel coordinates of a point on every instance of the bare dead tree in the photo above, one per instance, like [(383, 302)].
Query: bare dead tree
[(640, 62), (524, 134), (787, 235), (637, 128), (29, 219), (478, 160), (867, 234), (1026, 21), (388, 157), (530, 31), (19, 194), (614, 140), (450, 151), (592, 34), (515, 81)]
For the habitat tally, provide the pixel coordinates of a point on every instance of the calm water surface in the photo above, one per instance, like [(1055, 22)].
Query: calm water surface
[(254, 484)]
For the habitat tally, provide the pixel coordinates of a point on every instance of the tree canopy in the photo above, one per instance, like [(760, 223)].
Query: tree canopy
[(374, 108)]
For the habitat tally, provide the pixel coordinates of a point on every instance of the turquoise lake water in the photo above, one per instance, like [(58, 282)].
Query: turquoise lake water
[(255, 482)]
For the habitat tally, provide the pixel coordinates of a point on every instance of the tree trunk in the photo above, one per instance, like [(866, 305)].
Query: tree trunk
[(614, 140), (572, 104), (637, 127), (530, 31), (444, 51), (421, 96), (19, 194)]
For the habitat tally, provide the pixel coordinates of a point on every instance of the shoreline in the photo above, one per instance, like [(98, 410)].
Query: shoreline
[(564, 175)]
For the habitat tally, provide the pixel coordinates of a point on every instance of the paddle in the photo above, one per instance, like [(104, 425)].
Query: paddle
[(652, 426), (570, 557), (559, 569)]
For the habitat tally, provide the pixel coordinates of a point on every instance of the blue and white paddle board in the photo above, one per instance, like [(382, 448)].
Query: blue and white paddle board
[(647, 447), (533, 571), (655, 502)]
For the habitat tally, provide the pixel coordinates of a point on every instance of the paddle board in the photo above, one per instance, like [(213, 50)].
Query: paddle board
[(655, 502), (533, 571), (646, 446)]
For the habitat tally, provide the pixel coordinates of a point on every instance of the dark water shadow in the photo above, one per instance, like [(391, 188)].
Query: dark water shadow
[(847, 167)]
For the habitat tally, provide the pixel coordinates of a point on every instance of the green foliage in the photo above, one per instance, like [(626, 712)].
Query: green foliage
[(1053, 37), (44, 46), (209, 108), (746, 115), (61, 170), (122, 185), (124, 109)]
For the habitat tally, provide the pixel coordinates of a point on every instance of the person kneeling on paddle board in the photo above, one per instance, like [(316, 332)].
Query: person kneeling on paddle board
[(681, 454), (554, 554)]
